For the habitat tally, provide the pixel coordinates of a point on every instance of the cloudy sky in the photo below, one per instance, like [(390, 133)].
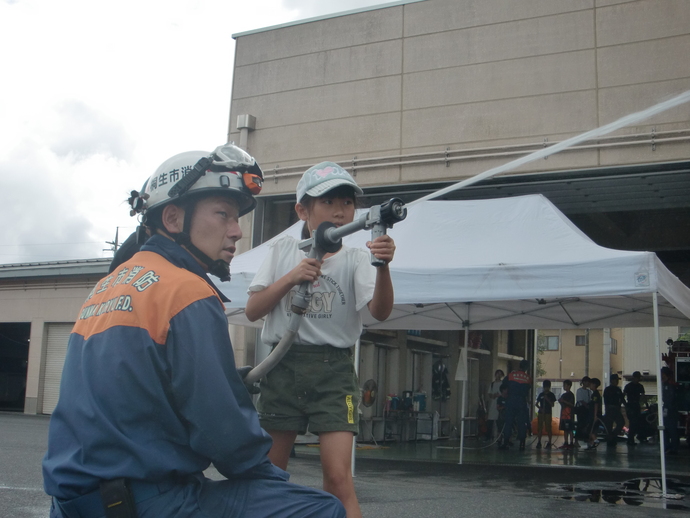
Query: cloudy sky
[(97, 93)]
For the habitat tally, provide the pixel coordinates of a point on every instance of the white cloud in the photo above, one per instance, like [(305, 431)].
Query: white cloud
[(82, 131), (97, 93)]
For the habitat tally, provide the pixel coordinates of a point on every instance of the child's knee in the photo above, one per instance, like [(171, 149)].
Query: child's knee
[(338, 482)]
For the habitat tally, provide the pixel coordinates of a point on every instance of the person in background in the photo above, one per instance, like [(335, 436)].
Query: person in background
[(583, 397), (567, 422), (613, 399), (545, 402), (493, 395), (670, 412), (518, 384), (501, 407), (595, 413), (635, 397)]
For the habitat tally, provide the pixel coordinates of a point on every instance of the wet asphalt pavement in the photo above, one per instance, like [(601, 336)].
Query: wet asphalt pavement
[(400, 489)]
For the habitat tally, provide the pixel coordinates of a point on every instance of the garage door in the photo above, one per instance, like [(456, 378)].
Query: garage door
[(58, 335)]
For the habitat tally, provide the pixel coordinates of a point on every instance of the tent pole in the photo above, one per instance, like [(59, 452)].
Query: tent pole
[(660, 413), (464, 390), (354, 437)]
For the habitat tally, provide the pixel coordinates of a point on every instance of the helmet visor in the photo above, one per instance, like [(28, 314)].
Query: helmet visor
[(233, 158)]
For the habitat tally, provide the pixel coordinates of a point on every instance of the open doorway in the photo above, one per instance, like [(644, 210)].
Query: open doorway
[(14, 359)]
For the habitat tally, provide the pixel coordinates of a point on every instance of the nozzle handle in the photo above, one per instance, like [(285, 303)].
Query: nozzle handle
[(383, 217), (377, 230)]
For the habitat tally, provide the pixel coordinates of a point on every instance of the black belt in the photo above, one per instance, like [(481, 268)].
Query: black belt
[(90, 505)]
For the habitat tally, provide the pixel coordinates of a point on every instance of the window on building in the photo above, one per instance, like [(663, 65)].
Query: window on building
[(552, 343), (614, 346), (580, 340)]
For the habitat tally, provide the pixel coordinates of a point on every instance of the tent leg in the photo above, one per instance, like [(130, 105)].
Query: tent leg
[(660, 413), (464, 396)]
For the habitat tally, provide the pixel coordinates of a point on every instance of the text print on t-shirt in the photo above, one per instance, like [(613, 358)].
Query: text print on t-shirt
[(321, 304)]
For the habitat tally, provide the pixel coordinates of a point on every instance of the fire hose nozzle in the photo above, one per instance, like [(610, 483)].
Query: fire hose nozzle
[(328, 237), (391, 212)]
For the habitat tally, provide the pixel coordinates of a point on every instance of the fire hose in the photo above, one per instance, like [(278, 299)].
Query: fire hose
[(327, 238), (381, 217)]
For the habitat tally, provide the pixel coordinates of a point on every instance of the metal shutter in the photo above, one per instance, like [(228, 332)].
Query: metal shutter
[(58, 335)]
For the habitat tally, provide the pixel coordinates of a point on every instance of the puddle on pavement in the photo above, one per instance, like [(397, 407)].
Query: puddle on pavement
[(638, 492)]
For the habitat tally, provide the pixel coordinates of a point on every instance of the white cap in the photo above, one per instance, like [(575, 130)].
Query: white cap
[(323, 177)]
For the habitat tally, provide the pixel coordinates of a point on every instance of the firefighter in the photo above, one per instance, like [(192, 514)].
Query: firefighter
[(150, 395), (518, 384)]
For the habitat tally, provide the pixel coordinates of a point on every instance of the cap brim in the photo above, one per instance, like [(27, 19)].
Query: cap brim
[(329, 185)]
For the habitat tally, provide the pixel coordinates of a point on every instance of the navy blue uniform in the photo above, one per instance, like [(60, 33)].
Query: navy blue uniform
[(518, 384), (150, 393), (613, 399), (633, 392)]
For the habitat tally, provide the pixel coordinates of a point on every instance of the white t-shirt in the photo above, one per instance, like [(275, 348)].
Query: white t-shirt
[(494, 390), (345, 287), (583, 395)]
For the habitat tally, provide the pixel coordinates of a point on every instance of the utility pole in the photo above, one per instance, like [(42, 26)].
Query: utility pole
[(114, 244)]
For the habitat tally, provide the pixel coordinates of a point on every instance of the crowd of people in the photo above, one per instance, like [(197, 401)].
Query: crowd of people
[(585, 415)]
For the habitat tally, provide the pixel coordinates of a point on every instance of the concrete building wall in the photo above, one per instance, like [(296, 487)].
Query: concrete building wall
[(573, 361), (460, 74), (619, 353), (639, 353), (635, 351)]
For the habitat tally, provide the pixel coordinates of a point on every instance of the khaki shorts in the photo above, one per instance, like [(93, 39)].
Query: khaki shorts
[(544, 421), (313, 388)]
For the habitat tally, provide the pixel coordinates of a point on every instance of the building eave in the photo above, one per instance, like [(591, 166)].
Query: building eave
[(325, 17), (71, 268)]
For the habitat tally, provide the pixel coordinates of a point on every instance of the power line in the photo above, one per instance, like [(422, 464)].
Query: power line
[(61, 244), (58, 244)]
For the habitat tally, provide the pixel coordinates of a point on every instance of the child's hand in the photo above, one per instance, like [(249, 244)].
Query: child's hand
[(307, 270), (383, 248)]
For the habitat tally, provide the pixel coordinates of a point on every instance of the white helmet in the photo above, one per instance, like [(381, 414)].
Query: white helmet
[(188, 176), (228, 169)]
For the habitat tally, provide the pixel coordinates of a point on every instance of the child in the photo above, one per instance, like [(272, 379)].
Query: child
[(494, 394), (545, 402), (582, 399), (567, 424), (501, 407), (314, 385), (595, 413), (613, 399)]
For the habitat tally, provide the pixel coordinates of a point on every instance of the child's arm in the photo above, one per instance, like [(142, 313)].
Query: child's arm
[(261, 303), (381, 304), (564, 402)]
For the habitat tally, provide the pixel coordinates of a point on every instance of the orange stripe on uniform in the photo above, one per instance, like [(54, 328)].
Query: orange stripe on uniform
[(145, 292)]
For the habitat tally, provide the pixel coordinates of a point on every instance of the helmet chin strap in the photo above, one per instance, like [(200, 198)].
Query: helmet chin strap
[(219, 268)]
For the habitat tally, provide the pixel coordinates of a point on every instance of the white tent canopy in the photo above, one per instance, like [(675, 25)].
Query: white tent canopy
[(510, 263)]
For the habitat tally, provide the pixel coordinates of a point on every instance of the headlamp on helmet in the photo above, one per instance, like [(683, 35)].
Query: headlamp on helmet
[(233, 158)]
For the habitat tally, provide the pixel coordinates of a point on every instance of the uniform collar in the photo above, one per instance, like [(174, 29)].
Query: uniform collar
[(180, 257)]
